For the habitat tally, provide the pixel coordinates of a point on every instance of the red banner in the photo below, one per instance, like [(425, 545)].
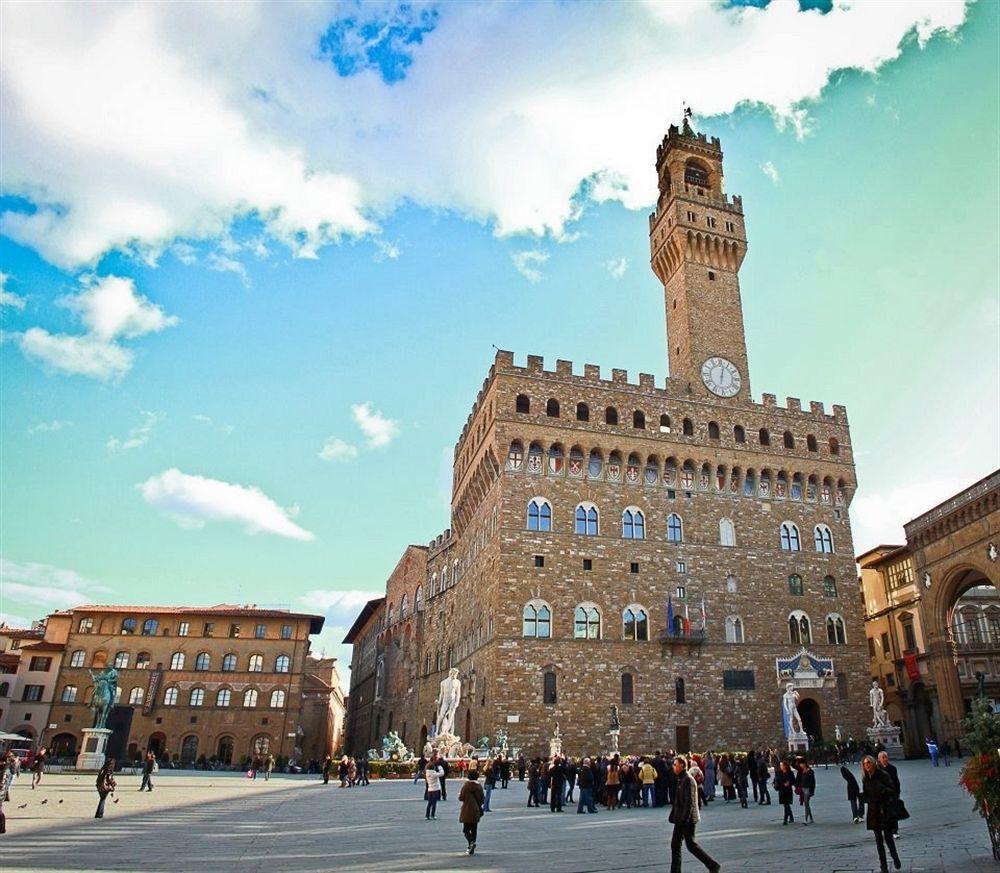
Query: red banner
[(912, 668)]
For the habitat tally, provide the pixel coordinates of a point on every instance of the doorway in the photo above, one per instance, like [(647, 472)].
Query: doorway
[(811, 722), (683, 739)]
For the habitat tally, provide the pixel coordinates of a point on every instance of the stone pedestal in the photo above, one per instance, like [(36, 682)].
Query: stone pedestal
[(614, 741), (555, 746), (92, 749), (798, 741), (886, 736)]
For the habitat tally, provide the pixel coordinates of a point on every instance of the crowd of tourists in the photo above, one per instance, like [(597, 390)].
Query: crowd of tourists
[(351, 771), (687, 784)]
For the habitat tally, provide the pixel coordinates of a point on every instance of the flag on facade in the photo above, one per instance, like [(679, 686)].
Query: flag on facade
[(670, 615)]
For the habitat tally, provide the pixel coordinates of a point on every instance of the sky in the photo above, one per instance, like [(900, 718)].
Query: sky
[(256, 257)]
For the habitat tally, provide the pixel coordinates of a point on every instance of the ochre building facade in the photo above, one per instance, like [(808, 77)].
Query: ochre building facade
[(656, 544)]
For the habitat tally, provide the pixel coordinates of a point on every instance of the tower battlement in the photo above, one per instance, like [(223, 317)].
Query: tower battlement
[(686, 138)]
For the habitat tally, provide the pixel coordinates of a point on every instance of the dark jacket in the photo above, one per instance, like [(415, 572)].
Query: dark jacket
[(893, 774), (853, 789), (585, 778), (807, 782), (762, 771), (148, 765), (472, 798), (784, 783), (878, 793), (685, 797)]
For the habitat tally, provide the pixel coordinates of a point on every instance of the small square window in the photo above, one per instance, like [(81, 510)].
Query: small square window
[(209, 629), (194, 719), (234, 631), (263, 721), (634, 567), (159, 721), (671, 494), (260, 631), (836, 514), (539, 560), (68, 718), (588, 564), (711, 276), (682, 567), (286, 631)]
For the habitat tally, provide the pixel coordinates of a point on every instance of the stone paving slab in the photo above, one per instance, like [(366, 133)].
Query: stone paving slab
[(221, 822)]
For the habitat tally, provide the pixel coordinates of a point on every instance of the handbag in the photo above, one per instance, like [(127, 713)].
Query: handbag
[(897, 809)]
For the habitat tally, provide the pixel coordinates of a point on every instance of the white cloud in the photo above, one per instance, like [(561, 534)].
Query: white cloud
[(9, 298), (49, 426), (12, 620), (47, 586), (225, 429), (617, 267), (379, 430), (771, 171), (111, 309), (385, 250), (139, 435), (223, 263), (339, 607), (527, 264), (133, 125), (193, 500), (336, 449)]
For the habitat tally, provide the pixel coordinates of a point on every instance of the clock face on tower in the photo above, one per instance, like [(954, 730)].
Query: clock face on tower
[(721, 377)]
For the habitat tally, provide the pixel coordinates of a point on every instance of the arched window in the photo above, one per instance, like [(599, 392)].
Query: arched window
[(137, 695), (539, 514), (250, 698), (189, 749), (549, 688), (149, 627), (582, 412), (695, 174), (679, 693), (177, 661), (256, 664), (713, 430), (587, 622), (203, 661), (522, 404), (835, 634), (77, 658), (727, 532), (170, 696), (418, 599), (515, 456), (223, 697), (632, 469), (639, 420), (277, 699), (811, 443), (739, 435), (764, 437), (730, 584), (798, 628), (823, 538), (615, 467), (282, 664), (797, 486), (142, 661), (734, 629), (789, 440), (128, 626), (121, 661), (197, 697), (68, 694), (229, 663), (628, 689), (834, 446), (536, 620), (633, 524), (635, 623), (664, 423), (687, 427), (790, 537), (586, 520), (675, 528), (611, 415), (404, 607), (552, 408), (795, 585)]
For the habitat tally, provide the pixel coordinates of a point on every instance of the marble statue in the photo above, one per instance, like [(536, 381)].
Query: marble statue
[(615, 723), (876, 700), (103, 699), (837, 734), (393, 745), (790, 706), (447, 703)]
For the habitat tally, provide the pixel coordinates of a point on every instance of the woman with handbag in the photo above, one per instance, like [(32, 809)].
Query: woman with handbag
[(472, 799), (784, 784), (879, 793)]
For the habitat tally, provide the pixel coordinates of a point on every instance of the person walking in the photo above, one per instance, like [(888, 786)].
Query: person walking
[(932, 750), (443, 764), (853, 794), (898, 807), (570, 769), (38, 767), (685, 816), (647, 773), (807, 785), (708, 785), (327, 769), (585, 782), (522, 767), (490, 775), (784, 784), (533, 783), (434, 776), (472, 807), (557, 780), (105, 785), (148, 768), (268, 767), (878, 793), (763, 776), (741, 776)]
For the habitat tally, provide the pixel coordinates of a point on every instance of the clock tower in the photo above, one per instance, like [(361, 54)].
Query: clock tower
[(697, 243)]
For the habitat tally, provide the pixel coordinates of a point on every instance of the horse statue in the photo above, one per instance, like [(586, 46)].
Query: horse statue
[(103, 699)]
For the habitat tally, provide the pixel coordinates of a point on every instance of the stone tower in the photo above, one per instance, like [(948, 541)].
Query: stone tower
[(697, 243)]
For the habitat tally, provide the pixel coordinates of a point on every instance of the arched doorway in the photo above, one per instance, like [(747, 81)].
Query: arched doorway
[(189, 749), (63, 746), (157, 744), (812, 723), (923, 714), (225, 750)]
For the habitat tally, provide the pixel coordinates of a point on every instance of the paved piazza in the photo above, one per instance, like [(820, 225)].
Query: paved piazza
[(226, 822)]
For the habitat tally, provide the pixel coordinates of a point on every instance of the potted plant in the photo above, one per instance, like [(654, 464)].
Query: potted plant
[(981, 773)]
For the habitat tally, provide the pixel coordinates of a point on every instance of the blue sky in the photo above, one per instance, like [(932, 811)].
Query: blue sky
[(252, 285)]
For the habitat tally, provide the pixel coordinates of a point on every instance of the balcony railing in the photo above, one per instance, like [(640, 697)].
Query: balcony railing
[(693, 637), (979, 643)]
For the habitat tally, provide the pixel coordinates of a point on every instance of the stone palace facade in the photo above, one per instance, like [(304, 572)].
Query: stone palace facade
[(659, 545)]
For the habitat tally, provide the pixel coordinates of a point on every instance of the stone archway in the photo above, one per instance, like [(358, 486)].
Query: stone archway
[(812, 721)]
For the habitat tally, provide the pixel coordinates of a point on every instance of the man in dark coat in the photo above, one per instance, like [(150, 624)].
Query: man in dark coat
[(522, 767), (763, 774), (660, 783), (504, 772), (444, 765), (585, 782), (557, 782), (752, 773), (685, 816)]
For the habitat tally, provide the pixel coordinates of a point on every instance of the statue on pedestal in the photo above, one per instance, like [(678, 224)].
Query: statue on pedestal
[(790, 707), (615, 723), (103, 699), (876, 700), (447, 703)]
